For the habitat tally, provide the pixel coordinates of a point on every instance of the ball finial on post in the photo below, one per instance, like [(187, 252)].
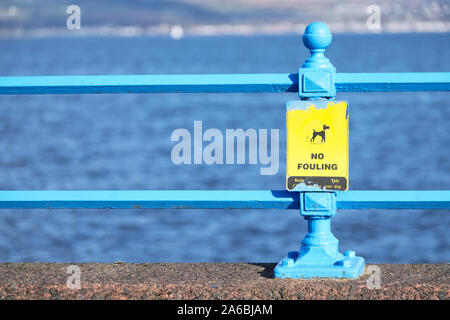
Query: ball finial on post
[(317, 38)]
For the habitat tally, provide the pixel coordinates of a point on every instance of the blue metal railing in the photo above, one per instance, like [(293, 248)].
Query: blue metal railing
[(315, 70), (220, 83), (215, 199)]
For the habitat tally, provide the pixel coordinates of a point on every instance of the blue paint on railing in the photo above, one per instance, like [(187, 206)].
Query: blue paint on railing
[(319, 255), (215, 199), (189, 83), (388, 82), (316, 77), (219, 83)]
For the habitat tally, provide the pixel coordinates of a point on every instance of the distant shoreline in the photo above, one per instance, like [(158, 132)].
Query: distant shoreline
[(178, 31)]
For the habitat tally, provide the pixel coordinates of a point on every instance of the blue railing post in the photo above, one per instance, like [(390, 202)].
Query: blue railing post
[(319, 254), (317, 75)]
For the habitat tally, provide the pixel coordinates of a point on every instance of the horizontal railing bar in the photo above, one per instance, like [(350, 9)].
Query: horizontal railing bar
[(187, 83), (386, 82), (214, 199), (219, 83), (380, 199)]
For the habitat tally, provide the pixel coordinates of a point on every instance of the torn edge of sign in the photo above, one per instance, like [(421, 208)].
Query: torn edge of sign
[(318, 104), (304, 187)]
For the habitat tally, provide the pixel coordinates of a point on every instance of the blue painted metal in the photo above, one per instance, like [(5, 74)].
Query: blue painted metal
[(215, 199), (223, 83), (318, 203), (390, 82), (190, 83), (393, 199), (317, 75), (319, 255), (151, 199)]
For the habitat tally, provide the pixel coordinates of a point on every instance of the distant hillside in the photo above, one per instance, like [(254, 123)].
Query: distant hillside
[(346, 15)]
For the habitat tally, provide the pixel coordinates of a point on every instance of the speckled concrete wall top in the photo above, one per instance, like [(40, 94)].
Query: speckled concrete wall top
[(213, 281)]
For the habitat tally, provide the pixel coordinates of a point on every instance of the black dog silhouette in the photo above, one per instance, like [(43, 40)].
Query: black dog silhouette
[(320, 133)]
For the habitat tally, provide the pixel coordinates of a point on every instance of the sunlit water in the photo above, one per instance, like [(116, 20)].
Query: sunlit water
[(397, 141)]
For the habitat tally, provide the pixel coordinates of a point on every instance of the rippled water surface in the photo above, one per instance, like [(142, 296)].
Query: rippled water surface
[(397, 141)]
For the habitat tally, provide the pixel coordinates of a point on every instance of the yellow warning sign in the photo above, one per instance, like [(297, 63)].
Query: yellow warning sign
[(317, 145)]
